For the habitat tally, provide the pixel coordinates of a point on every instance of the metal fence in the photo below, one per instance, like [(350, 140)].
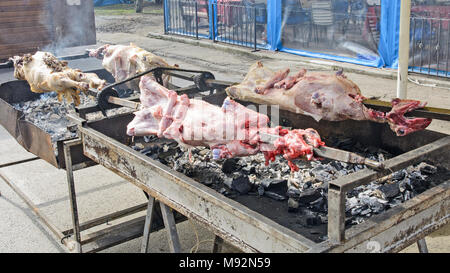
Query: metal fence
[(240, 23), (187, 18), (353, 35), (429, 46)]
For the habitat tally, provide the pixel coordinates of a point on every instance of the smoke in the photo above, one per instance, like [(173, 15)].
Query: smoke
[(70, 24)]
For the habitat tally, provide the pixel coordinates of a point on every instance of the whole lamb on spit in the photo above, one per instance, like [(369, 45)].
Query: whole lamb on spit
[(322, 96), (124, 62), (229, 131), (45, 73)]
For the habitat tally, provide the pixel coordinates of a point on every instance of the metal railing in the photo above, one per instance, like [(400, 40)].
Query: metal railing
[(187, 18), (240, 23), (429, 46)]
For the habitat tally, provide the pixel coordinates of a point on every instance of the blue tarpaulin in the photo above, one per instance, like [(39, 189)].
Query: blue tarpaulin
[(376, 43), (99, 3)]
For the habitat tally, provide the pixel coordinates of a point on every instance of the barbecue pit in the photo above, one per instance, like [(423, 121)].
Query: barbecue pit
[(244, 220)]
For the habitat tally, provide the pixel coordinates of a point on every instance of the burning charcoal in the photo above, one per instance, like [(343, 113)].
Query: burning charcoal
[(407, 195), (249, 169), (224, 191), (356, 211), (260, 190), (276, 185), (377, 207), (293, 192), (274, 195), (319, 205), (351, 203), (357, 221), (399, 175), (292, 205), (337, 165), (308, 196), (426, 168), (240, 184), (147, 139), (229, 165), (419, 185), (366, 212), (389, 190)]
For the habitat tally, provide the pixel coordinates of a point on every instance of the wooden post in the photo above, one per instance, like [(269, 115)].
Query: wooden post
[(403, 51), (139, 6)]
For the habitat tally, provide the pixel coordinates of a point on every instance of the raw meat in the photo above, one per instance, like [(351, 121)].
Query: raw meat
[(322, 96), (124, 62), (231, 130), (45, 73)]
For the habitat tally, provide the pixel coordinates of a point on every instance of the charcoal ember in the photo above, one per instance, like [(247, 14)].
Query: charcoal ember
[(366, 212), (293, 192), (426, 168), (276, 185), (209, 178), (292, 205), (357, 220), (399, 175), (417, 175), (148, 139), (224, 191), (261, 190), (419, 185), (229, 165), (138, 147), (407, 195), (319, 205), (308, 196), (351, 203), (389, 191), (356, 211), (274, 195), (377, 207), (249, 169), (337, 165), (241, 184)]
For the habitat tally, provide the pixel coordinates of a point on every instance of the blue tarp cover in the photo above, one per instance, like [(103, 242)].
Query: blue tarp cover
[(99, 3)]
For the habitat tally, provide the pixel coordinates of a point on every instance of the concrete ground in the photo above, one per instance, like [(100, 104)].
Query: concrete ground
[(101, 192)]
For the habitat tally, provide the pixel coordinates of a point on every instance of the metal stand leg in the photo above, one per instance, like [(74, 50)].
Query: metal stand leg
[(72, 194), (218, 244), (148, 224), (169, 223), (422, 245)]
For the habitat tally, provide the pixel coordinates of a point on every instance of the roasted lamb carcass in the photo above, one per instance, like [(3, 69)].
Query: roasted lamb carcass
[(45, 73), (229, 131), (322, 96), (124, 62)]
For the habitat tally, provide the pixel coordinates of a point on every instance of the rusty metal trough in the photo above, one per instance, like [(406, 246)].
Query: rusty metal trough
[(105, 142)]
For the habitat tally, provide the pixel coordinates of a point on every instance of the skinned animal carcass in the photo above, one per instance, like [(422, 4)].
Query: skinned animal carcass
[(124, 61), (229, 131), (330, 97), (45, 73)]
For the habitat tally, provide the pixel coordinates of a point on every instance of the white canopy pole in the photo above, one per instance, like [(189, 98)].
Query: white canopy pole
[(403, 50)]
